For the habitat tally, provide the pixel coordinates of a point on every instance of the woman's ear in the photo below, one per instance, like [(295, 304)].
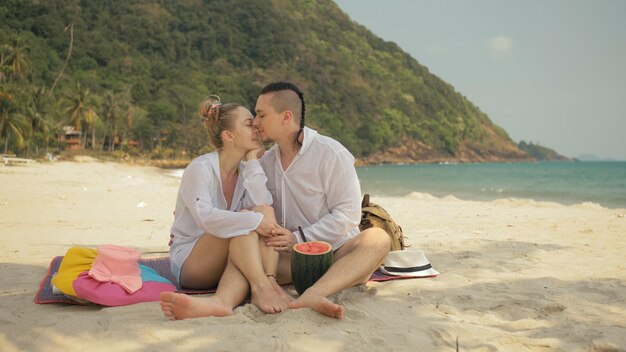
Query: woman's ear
[(227, 136)]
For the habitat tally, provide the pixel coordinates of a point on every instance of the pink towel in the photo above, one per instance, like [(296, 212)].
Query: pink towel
[(118, 265), (113, 295)]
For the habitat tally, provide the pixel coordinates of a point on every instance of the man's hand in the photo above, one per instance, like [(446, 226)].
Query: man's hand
[(281, 240)]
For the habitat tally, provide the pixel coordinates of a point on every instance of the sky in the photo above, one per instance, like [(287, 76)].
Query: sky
[(551, 72)]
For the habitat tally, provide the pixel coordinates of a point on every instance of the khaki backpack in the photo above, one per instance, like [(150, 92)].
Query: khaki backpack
[(374, 215)]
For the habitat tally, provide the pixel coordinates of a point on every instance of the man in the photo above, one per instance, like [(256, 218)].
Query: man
[(314, 185)]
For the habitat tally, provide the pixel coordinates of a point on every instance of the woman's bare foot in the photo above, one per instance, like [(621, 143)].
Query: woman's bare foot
[(285, 296), (176, 306), (268, 299), (319, 304)]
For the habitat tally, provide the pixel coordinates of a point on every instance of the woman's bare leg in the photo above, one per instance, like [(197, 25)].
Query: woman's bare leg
[(231, 291), (246, 255), (233, 286), (284, 268), (212, 255), (270, 258), (207, 265)]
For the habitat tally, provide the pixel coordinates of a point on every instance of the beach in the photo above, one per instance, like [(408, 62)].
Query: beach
[(516, 274)]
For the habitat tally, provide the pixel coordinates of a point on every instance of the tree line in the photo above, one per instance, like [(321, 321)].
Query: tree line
[(129, 76)]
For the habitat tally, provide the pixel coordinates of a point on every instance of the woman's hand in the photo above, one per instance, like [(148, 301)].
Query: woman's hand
[(282, 239), (266, 227), (255, 154), (269, 220)]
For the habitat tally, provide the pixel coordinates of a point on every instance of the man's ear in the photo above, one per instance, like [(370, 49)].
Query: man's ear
[(288, 116)]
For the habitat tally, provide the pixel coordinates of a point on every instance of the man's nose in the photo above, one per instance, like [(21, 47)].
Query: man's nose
[(255, 120)]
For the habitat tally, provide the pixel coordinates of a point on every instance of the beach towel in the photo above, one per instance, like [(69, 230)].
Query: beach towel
[(75, 261), (111, 294), (161, 265)]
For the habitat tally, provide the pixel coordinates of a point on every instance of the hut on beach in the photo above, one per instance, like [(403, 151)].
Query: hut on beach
[(72, 138)]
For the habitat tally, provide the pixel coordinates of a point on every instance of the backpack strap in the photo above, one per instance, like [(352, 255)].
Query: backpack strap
[(378, 212), (366, 201)]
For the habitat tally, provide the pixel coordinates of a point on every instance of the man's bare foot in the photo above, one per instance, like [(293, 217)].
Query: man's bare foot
[(268, 299), (176, 306), (319, 304)]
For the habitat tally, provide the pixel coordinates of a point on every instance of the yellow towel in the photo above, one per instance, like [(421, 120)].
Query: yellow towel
[(75, 261)]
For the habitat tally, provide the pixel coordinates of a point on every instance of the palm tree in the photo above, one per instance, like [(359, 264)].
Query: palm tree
[(67, 59), (40, 122), (12, 124), (127, 123), (15, 58), (4, 48), (77, 106), (91, 119), (110, 114)]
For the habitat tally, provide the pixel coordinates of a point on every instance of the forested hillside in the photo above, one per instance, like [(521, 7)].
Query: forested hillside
[(539, 152), (133, 72)]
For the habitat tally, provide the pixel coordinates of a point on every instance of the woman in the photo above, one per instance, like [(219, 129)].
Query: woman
[(215, 240)]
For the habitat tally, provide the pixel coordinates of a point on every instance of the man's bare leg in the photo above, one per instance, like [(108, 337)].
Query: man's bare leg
[(231, 291), (354, 263)]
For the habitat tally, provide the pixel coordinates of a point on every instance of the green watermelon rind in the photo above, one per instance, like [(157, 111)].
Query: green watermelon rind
[(306, 269)]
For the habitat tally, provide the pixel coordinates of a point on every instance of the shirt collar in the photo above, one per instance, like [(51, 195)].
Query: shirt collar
[(309, 136)]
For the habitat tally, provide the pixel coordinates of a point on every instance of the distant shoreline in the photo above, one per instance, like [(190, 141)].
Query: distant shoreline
[(484, 182)]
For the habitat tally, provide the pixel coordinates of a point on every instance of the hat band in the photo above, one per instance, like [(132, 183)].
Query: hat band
[(408, 270)]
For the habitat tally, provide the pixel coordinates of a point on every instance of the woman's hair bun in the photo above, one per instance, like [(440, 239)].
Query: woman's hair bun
[(210, 108)]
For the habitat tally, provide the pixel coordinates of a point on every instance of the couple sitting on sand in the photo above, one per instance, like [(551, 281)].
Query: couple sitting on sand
[(226, 231)]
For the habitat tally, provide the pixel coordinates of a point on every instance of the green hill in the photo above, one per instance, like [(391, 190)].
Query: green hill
[(138, 69), (539, 152)]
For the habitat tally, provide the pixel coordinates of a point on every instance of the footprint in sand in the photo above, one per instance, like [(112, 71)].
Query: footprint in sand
[(376, 342), (258, 316), (553, 309)]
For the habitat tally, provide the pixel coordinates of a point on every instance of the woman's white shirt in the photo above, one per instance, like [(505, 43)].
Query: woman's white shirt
[(202, 208)]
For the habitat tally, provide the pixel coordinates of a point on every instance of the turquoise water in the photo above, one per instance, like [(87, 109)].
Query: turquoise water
[(563, 182)]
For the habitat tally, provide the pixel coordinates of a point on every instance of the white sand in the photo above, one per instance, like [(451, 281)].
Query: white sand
[(517, 275)]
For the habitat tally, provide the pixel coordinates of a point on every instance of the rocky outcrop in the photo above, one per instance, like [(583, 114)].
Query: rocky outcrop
[(412, 151)]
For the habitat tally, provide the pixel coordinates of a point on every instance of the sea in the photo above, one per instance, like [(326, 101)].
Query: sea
[(563, 182)]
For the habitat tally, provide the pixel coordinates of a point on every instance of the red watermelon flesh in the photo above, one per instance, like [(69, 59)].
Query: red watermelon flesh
[(312, 248)]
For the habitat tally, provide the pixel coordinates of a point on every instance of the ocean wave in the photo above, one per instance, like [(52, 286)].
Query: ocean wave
[(588, 205), (420, 196), (178, 173)]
